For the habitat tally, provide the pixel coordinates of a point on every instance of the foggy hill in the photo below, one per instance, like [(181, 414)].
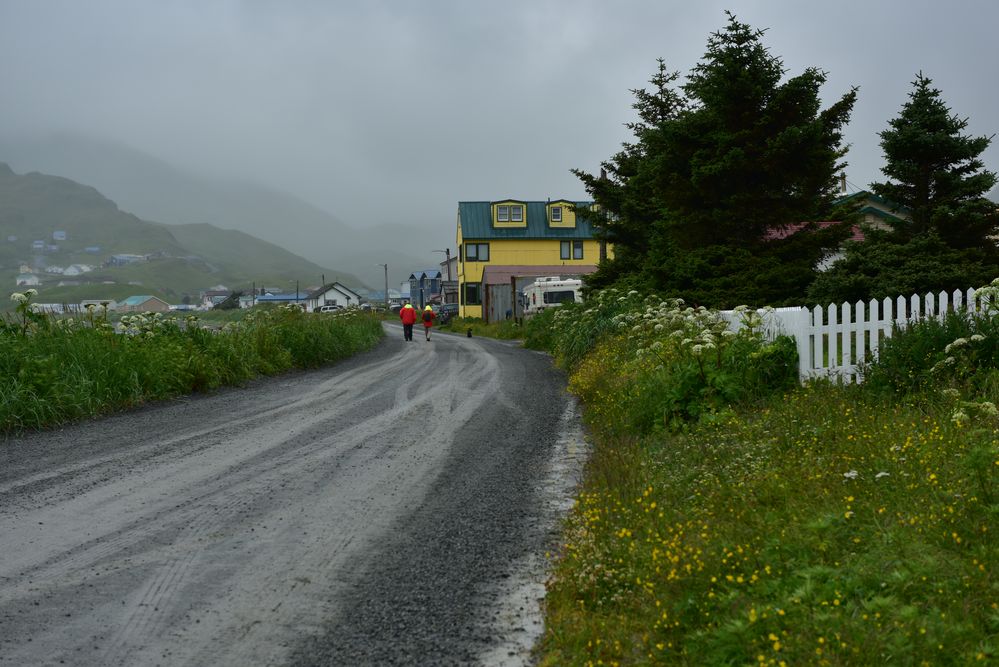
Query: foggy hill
[(185, 258), (156, 190)]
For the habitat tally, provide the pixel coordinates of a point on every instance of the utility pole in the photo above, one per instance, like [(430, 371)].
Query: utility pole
[(385, 266), (447, 271)]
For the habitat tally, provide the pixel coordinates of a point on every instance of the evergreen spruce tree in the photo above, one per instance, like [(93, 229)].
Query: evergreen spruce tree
[(628, 193), (937, 173), (723, 167)]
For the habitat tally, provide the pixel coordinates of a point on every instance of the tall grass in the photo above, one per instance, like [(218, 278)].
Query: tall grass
[(55, 370), (503, 330), (778, 524)]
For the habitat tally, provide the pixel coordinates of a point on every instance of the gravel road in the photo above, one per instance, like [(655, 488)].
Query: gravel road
[(392, 509)]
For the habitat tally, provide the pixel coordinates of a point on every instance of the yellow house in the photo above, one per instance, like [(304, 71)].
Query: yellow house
[(509, 239)]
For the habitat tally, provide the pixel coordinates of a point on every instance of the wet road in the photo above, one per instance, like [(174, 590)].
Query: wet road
[(392, 509)]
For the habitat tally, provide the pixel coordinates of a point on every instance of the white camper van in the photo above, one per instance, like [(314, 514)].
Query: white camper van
[(551, 291)]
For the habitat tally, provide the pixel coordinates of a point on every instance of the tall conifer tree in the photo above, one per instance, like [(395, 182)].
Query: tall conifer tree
[(936, 172), (721, 167)]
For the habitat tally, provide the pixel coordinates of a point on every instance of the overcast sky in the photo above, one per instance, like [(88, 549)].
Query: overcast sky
[(394, 110)]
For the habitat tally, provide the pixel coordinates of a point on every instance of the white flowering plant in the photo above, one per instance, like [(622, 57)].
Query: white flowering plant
[(959, 351), (667, 362)]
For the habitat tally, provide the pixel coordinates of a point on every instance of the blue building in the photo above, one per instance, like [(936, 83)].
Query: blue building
[(425, 287)]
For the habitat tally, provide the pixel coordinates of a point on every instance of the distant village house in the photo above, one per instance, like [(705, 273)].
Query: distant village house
[(143, 304)]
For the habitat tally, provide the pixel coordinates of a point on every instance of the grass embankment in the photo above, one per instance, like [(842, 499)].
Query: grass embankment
[(728, 517), (55, 370), (505, 330)]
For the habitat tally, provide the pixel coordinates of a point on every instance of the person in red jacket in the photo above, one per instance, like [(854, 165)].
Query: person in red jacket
[(428, 319), (408, 317)]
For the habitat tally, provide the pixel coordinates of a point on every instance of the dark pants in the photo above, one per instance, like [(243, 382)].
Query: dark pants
[(407, 331)]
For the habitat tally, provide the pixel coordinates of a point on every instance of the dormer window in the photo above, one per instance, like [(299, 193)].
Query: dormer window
[(556, 214), (509, 213)]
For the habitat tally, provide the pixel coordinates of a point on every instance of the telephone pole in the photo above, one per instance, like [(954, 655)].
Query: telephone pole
[(385, 266)]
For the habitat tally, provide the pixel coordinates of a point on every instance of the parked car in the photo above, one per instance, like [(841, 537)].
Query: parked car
[(446, 312), (329, 309)]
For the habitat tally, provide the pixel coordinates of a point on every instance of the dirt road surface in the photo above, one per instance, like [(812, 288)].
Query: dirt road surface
[(392, 509)]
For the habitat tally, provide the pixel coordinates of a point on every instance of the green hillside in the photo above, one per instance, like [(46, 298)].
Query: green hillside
[(78, 225)]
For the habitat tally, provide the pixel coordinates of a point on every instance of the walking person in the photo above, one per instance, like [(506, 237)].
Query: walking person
[(428, 320), (408, 317)]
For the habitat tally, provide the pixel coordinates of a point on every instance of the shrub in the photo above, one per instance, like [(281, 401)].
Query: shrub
[(648, 364), (959, 351), (53, 370)]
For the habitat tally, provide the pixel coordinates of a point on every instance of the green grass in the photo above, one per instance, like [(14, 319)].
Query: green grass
[(823, 528), (819, 525), (505, 330), (56, 370)]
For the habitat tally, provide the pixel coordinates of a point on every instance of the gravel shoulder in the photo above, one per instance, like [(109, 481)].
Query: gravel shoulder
[(391, 509)]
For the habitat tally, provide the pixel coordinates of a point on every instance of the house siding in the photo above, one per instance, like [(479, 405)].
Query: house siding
[(536, 242)]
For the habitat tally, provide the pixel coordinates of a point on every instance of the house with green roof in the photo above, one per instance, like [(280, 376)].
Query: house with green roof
[(512, 238), (143, 304), (875, 211)]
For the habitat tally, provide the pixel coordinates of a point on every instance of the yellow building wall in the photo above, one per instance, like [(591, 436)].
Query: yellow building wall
[(531, 252), (510, 223), (568, 215)]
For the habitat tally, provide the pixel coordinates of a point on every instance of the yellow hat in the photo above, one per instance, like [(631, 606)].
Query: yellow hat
[(428, 307)]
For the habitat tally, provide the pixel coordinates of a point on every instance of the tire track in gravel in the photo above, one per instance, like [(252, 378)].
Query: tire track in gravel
[(234, 525)]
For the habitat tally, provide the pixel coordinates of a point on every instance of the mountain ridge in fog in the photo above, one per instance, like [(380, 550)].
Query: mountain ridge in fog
[(154, 189)]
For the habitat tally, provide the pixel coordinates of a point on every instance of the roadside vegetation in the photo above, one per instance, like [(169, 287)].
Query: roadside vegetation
[(505, 329), (730, 516), (53, 370)]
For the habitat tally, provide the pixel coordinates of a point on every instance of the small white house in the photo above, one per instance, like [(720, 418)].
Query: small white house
[(332, 294), (77, 269), (28, 280)]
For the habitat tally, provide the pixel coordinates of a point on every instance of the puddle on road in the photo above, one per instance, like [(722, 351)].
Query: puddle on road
[(519, 621)]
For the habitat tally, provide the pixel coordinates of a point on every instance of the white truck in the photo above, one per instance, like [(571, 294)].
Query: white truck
[(551, 291)]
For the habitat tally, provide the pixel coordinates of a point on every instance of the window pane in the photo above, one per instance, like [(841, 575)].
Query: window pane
[(502, 213), (560, 296), (483, 252), (471, 252), (556, 214), (577, 250), (472, 297), (564, 250), (517, 213)]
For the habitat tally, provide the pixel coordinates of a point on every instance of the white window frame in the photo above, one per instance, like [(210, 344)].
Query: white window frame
[(502, 214), (516, 213), (556, 214)]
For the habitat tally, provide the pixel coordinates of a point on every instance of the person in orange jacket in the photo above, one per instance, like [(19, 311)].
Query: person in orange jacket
[(408, 317), (428, 319)]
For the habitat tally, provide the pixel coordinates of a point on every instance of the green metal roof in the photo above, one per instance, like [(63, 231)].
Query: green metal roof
[(864, 195), (477, 222), (136, 300)]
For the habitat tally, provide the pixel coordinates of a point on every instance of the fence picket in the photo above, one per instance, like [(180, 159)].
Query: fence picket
[(834, 341)]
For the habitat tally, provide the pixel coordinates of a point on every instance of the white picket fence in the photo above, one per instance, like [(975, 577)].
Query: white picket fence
[(833, 340)]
